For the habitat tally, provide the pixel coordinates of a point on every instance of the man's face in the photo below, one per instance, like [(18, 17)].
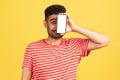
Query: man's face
[(51, 24)]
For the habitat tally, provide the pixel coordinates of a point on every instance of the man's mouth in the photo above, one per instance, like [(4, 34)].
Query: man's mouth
[(55, 31)]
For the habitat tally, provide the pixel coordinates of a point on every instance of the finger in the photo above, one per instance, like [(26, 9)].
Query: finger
[(61, 34)]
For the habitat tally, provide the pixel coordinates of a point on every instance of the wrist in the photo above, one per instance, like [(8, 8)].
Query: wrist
[(75, 28)]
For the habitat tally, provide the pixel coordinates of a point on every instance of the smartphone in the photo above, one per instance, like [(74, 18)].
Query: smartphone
[(61, 23)]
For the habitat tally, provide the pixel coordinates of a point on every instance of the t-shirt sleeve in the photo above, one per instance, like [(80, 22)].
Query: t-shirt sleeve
[(82, 45), (27, 62)]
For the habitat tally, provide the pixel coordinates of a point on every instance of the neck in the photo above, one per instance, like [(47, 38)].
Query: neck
[(53, 41)]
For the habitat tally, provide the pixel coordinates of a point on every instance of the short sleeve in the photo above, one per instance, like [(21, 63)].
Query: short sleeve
[(27, 62), (82, 45)]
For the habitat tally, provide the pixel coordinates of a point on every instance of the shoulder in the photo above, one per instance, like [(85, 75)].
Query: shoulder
[(75, 39), (35, 44)]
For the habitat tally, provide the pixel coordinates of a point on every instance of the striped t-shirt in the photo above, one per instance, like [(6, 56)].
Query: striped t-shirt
[(55, 62)]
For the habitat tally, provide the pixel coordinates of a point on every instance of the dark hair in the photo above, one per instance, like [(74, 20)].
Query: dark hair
[(54, 9)]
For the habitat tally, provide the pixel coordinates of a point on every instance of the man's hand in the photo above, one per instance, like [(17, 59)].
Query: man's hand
[(70, 24)]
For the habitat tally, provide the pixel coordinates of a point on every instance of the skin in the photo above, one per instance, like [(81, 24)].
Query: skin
[(97, 40)]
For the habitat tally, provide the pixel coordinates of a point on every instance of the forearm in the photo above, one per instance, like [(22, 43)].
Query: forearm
[(95, 37)]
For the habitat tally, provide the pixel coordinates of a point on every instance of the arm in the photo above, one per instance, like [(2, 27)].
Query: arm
[(97, 40), (26, 74)]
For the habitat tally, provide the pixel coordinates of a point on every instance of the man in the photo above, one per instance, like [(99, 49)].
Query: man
[(57, 58)]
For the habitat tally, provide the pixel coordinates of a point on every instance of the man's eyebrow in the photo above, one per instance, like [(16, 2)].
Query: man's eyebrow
[(53, 19)]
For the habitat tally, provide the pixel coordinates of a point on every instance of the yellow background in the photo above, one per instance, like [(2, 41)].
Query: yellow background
[(21, 22)]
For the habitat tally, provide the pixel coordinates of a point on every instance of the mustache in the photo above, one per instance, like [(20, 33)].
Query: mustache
[(54, 30)]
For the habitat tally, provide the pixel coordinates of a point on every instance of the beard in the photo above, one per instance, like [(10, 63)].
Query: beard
[(53, 34)]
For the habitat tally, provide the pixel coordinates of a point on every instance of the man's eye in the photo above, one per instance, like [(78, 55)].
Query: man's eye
[(53, 22)]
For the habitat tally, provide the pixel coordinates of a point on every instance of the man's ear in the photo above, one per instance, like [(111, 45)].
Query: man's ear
[(45, 23)]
